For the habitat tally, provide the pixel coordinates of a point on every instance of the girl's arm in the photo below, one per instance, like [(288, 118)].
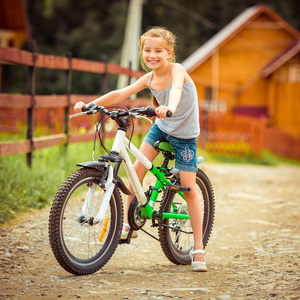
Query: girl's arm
[(118, 95), (178, 74)]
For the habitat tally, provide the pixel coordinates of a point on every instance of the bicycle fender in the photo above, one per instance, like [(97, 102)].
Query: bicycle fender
[(94, 165), (100, 166), (121, 185)]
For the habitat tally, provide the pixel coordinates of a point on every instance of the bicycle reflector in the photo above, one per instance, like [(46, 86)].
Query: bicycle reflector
[(103, 230)]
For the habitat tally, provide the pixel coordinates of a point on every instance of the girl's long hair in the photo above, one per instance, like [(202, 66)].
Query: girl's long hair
[(166, 38), (154, 102)]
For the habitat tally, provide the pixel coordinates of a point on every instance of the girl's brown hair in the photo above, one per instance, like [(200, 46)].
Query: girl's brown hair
[(166, 38)]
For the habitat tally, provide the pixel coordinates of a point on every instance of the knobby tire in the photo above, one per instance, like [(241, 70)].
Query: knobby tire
[(75, 241), (176, 245)]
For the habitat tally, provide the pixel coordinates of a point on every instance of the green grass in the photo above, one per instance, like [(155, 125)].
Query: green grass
[(267, 158), (23, 189)]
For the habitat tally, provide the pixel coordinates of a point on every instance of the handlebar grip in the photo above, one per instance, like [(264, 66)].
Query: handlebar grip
[(150, 112), (89, 108)]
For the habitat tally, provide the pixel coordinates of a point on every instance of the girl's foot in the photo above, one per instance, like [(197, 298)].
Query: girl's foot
[(125, 232), (198, 265)]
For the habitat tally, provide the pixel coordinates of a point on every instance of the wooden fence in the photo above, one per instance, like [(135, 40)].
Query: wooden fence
[(220, 133), (281, 143), (224, 133), (233, 135), (31, 102)]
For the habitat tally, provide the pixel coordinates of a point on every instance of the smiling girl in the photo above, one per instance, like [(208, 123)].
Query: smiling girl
[(173, 90)]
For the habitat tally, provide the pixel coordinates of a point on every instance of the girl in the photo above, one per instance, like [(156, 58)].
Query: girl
[(173, 90)]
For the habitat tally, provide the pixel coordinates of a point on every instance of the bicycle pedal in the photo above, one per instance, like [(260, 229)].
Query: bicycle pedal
[(128, 240), (180, 188)]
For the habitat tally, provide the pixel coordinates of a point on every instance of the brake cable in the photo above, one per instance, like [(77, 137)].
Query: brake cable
[(100, 124)]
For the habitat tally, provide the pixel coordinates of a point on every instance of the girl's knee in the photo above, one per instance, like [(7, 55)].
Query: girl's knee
[(140, 170), (193, 194)]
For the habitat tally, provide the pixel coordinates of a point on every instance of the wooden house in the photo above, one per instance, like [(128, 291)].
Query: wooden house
[(251, 67), (14, 31), (14, 26)]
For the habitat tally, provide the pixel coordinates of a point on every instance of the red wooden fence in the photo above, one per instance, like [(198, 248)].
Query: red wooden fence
[(229, 134), (32, 102), (220, 133), (281, 143)]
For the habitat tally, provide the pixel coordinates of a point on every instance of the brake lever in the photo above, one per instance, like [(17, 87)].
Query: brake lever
[(137, 116), (144, 118), (87, 112), (77, 115)]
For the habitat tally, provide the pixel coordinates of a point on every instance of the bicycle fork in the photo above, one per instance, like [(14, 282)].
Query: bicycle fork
[(111, 175), (108, 187)]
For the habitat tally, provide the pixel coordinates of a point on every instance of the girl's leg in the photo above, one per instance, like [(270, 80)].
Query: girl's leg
[(141, 171), (194, 207)]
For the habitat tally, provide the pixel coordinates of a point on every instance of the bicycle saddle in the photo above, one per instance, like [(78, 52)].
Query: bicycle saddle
[(163, 146)]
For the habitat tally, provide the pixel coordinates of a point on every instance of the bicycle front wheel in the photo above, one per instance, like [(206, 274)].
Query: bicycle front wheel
[(176, 235), (80, 246)]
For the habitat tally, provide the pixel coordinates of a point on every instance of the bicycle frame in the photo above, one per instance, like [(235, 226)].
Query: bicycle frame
[(86, 217), (122, 145)]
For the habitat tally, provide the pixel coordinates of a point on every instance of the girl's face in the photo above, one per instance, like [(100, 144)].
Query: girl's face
[(155, 55)]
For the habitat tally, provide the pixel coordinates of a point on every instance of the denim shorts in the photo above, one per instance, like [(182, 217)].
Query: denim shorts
[(185, 149)]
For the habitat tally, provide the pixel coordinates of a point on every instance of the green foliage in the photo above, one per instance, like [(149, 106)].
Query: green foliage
[(18, 192), (269, 158), (92, 29), (23, 189)]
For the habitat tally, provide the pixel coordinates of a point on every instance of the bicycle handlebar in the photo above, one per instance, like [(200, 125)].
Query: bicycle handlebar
[(93, 107), (148, 111)]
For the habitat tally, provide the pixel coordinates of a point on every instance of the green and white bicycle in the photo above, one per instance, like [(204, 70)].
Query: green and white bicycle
[(86, 217)]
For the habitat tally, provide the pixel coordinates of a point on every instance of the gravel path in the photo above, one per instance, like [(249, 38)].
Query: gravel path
[(253, 252)]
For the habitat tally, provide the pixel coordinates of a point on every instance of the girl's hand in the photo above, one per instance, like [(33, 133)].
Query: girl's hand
[(161, 111), (78, 107)]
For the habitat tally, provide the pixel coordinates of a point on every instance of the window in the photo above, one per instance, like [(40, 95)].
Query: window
[(294, 73), (208, 93)]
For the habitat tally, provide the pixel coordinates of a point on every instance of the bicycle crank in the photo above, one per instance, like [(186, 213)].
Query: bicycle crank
[(135, 219)]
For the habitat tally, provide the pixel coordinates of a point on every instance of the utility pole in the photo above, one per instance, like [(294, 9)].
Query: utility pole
[(130, 49)]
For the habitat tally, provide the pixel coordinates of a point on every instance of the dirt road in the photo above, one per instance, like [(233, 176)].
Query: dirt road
[(253, 253)]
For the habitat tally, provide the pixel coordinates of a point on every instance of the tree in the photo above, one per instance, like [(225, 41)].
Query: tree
[(91, 29)]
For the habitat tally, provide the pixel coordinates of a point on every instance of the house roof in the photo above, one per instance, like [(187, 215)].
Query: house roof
[(237, 24), (282, 58), (13, 16)]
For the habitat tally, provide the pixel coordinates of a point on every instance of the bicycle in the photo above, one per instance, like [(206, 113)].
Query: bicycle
[(86, 216)]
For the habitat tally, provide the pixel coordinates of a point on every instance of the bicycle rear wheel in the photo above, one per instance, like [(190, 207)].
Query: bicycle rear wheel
[(175, 235), (80, 246)]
